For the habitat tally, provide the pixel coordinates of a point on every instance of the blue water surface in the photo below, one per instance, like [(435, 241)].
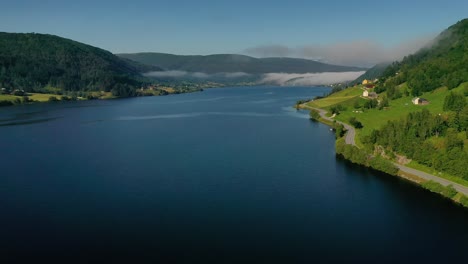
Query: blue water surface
[(231, 175)]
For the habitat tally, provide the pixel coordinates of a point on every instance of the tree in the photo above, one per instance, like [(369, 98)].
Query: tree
[(314, 114), (454, 102), (356, 104), (339, 130), (369, 104), (355, 123), (384, 102)]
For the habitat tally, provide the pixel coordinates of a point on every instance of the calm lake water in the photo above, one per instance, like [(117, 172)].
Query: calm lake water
[(232, 175)]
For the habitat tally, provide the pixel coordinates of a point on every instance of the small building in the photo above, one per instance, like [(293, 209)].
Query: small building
[(365, 82), (420, 101), (368, 94)]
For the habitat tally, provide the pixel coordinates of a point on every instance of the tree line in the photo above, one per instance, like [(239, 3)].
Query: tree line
[(434, 140)]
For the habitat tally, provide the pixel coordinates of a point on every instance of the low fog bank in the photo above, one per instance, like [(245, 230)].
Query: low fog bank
[(363, 52), (281, 79), (309, 79), (197, 75)]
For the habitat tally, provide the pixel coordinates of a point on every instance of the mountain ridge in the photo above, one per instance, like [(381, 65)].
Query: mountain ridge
[(218, 63), (32, 61)]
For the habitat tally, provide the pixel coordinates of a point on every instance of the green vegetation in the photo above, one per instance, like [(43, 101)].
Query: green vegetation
[(415, 165), (314, 115), (372, 73), (454, 102), (464, 200), (442, 64), (434, 135), (355, 123), (222, 63), (38, 62), (414, 136), (447, 191), (345, 97), (50, 68), (362, 157)]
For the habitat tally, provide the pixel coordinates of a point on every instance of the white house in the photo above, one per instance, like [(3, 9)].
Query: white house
[(420, 101)]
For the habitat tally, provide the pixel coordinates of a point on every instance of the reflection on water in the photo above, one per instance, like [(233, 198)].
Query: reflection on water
[(27, 122), (226, 180), (21, 116), (185, 115)]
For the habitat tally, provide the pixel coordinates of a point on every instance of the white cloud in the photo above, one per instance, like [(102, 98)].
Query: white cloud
[(235, 74), (309, 79), (198, 75), (174, 74)]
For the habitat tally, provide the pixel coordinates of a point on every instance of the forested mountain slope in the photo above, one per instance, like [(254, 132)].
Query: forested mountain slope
[(222, 63), (34, 61)]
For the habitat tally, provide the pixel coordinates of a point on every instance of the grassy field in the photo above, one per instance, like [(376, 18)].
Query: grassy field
[(337, 98), (8, 97), (374, 118), (399, 108), (37, 97), (42, 97)]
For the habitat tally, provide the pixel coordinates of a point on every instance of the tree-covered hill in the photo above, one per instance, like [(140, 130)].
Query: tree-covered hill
[(444, 63), (34, 61), (432, 135), (373, 73), (221, 63)]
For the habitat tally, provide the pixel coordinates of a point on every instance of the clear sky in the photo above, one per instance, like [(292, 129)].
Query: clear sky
[(207, 27)]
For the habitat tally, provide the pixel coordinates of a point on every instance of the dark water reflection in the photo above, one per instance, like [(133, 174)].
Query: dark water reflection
[(225, 176)]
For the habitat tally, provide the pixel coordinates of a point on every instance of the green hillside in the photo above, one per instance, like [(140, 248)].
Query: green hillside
[(220, 63), (373, 73), (444, 63), (32, 62), (433, 135)]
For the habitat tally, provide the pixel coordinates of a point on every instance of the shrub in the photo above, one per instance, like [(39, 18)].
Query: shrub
[(447, 191), (464, 200), (314, 115), (355, 123)]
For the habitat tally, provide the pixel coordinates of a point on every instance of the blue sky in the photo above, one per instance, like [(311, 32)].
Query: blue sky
[(206, 27)]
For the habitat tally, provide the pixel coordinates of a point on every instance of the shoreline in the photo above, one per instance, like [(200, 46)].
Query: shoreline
[(12, 103), (416, 176)]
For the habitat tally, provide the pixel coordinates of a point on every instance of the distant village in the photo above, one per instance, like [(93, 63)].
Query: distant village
[(368, 93)]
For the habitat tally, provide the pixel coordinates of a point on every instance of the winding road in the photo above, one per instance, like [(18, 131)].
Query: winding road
[(350, 135)]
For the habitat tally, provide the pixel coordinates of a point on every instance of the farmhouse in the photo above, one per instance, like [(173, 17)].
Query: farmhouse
[(365, 82), (366, 93), (420, 101)]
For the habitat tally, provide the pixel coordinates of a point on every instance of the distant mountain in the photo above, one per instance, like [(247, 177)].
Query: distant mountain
[(33, 61), (228, 63), (444, 63)]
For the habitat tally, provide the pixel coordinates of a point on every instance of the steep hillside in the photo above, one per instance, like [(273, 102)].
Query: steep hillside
[(431, 133), (444, 63), (221, 63), (34, 61), (373, 73)]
